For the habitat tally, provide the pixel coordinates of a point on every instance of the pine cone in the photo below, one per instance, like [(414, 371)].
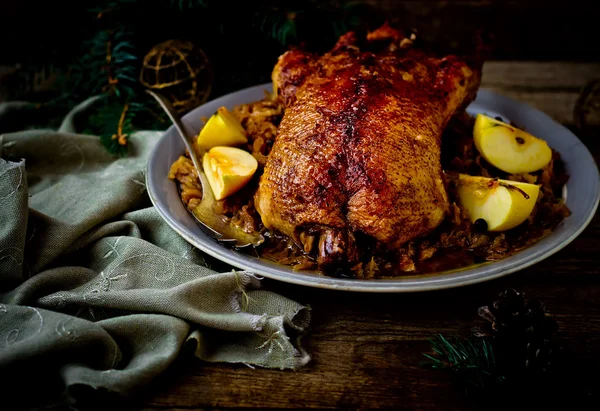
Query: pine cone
[(510, 315), (540, 356), (522, 333), (506, 313)]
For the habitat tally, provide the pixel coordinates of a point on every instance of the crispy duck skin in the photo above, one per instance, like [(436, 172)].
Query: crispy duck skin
[(358, 149)]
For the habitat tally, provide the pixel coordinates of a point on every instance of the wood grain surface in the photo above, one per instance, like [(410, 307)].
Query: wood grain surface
[(552, 87), (366, 349)]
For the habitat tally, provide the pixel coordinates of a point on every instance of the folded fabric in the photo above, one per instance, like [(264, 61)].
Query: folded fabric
[(97, 290)]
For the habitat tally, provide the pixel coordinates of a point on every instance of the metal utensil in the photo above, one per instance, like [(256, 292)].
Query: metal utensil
[(204, 213)]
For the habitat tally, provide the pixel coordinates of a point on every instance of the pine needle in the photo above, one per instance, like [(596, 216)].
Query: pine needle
[(472, 361), (109, 120)]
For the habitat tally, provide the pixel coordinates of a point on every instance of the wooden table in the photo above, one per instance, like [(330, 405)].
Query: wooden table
[(366, 348)]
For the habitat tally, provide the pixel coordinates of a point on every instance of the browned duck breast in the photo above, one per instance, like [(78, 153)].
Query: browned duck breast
[(357, 154)]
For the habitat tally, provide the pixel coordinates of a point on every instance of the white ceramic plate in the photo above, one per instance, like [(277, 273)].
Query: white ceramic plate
[(583, 190)]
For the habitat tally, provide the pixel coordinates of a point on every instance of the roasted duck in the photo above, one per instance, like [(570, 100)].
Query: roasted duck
[(356, 159)]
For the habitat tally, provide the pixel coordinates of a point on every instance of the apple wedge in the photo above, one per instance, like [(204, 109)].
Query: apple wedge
[(221, 129), (503, 204), (508, 148), (228, 169)]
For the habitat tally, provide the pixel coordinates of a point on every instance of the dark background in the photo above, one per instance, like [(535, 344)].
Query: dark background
[(36, 31), (526, 29)]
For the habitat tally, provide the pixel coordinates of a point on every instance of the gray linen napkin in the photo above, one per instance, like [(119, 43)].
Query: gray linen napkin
[(97, 289)]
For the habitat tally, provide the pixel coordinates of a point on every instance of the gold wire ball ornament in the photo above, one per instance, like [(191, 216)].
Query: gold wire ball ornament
[(180, 71)]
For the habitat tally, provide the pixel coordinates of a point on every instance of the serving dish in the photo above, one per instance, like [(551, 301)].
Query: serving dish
[(582, 193)]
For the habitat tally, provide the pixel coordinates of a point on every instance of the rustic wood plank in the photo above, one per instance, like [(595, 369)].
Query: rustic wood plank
[(551, 87), (531, 75), (372, 369), (558, 105), (366, 348)]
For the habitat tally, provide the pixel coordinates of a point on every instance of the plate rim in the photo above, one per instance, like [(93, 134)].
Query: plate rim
[(413, 283)]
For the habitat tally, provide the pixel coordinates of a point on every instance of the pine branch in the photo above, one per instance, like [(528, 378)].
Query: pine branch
[(291, 22), (110, 65), (110, 60), (280, 25), (147, 114), (517, 355), (112, 124), (472, 361), (114, 121)]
